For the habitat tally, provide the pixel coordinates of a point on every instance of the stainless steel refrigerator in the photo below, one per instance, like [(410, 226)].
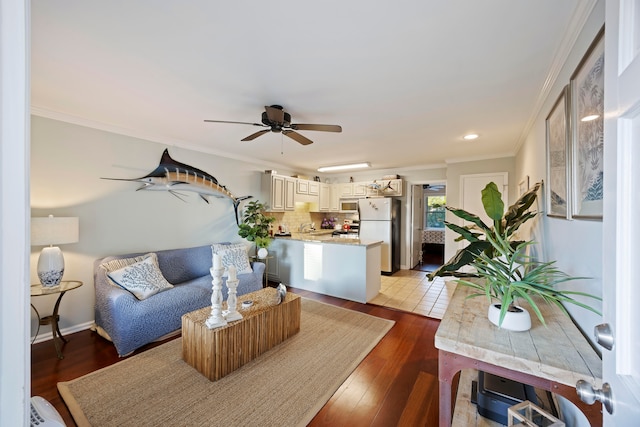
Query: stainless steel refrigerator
[(380, 220)]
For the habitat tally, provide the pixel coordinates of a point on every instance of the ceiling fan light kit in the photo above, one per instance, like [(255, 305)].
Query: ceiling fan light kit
[(344, 167), (275, 119)]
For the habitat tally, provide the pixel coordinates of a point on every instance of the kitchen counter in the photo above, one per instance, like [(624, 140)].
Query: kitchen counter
[(326, 236), (330, 265)]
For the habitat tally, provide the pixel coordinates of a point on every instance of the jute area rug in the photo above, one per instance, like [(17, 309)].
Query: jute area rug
[(286, 386)]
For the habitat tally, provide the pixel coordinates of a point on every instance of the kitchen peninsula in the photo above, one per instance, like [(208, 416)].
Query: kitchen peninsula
[(330, 265)]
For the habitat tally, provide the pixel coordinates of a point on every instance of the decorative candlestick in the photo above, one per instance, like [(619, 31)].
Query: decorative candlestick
[(232, 313), (215, 319)]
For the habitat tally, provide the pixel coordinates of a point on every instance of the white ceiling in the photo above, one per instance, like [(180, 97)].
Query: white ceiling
[(405, 79)]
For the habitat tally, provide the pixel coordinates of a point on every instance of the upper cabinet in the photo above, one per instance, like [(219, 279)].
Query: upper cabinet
[(352, 189), (279, 192), (282, 192)]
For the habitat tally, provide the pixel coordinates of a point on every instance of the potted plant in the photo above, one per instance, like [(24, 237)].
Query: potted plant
[(255, 226), (504, 270)]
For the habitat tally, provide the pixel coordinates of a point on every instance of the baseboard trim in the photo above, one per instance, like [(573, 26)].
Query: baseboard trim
[(48, 336)]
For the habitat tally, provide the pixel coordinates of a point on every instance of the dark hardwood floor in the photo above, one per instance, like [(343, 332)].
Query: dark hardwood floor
[(395, 385)]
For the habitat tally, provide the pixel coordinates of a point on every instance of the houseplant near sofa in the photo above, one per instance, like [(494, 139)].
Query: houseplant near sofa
[(255, 225), (503, 269)]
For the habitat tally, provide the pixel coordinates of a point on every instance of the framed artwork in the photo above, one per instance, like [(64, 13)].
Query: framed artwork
[(523, 185), (587, 113), (558, 158)]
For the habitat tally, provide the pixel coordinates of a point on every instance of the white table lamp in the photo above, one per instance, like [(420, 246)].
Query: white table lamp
[(52, 231)]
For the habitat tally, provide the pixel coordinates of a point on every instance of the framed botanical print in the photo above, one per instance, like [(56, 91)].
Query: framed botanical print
[(558, 158), (587, 120)]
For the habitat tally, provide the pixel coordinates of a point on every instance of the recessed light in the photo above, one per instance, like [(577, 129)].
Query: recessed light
[(343, 167), (589, 117), (470, 136)]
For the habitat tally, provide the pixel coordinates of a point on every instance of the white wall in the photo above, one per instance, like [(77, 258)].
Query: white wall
[(67, 162), (576, 245)]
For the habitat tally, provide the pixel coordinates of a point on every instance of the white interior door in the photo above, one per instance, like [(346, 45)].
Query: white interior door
[(621, 232), (417, 223)]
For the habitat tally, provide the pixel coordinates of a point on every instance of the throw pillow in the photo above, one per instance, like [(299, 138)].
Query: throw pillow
[(238, 258), (217, 247), (143, 278)]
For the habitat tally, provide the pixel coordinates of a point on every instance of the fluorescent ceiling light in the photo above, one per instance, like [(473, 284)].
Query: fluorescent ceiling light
[(470, 136), (343, 167)]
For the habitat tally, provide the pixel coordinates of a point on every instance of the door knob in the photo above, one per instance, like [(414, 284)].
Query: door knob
[(589, 395), (604, 336)]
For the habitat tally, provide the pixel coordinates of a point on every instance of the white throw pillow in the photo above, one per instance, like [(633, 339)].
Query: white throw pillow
[(236, 256), (143, 278)]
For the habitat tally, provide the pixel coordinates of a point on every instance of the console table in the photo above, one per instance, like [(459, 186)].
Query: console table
[(552, 358)]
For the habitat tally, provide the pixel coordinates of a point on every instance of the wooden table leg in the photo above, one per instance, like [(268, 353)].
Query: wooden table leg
[(450, 363)]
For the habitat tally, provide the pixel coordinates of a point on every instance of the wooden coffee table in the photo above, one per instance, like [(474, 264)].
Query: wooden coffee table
[(217, 352)]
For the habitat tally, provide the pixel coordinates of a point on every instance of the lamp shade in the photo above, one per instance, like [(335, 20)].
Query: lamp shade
[(54, 230)]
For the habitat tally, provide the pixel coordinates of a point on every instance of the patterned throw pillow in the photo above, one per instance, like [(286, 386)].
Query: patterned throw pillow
[(237, 257), (143, 278)]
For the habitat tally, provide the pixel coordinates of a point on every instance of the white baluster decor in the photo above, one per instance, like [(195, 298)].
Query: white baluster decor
[(216, 319), (232, 313)]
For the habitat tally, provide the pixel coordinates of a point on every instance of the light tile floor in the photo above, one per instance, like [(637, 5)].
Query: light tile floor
[(410, 290)]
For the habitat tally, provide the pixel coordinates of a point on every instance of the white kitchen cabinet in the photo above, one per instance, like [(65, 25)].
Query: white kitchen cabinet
[(278, 192), (302, 186), (289, 193), (334, 198), (324, 203), (352, 189), (359, 189), (314, 188), (345, 189)]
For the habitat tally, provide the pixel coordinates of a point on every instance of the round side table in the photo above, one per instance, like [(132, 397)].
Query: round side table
[(39, 290)]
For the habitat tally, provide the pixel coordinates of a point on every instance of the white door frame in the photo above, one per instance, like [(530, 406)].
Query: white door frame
[(410, 229), (15, 322), (621, 203)]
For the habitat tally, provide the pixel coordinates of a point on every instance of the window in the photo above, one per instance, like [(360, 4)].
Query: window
[(435, 211)]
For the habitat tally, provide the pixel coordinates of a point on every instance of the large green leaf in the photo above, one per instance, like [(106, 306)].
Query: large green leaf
[(492, 201), (461, 213), (464, 256), (521, 205), (464, 232)]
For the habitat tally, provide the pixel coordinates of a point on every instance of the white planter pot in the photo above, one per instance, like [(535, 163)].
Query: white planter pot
[(513, 321)]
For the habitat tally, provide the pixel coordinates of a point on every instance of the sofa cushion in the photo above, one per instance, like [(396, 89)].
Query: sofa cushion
[(142, 278)]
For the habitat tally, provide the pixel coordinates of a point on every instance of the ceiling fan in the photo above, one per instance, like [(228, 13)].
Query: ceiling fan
[(277, 120), (436, 187)]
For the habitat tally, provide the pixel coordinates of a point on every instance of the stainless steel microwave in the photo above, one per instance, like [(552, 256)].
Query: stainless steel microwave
[(349, 205)]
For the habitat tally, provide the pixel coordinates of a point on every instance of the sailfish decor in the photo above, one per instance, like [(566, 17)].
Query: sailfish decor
[(173, 176)]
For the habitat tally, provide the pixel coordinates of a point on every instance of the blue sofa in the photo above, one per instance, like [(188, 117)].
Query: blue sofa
[(131, 323)]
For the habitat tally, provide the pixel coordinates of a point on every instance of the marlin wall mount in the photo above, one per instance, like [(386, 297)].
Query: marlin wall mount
[(173, 177)]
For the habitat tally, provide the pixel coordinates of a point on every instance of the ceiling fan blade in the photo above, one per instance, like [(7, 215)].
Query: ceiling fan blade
[(237, 123), (255, 135), (323, 128), (297, 137), (274, 114)]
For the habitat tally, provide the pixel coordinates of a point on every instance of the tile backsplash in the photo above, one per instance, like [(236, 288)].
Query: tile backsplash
[(301, 215)]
